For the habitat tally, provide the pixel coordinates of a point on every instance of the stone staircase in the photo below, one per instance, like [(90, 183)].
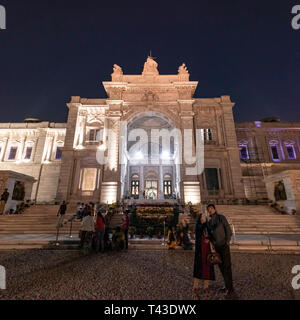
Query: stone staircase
[(40, 219), (258, 219), (36, 228)]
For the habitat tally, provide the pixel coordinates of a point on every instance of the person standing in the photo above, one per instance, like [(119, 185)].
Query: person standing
[(100, 230), (80, 211), (202, 270), (171, 243), (61, 213), (87, 228), (221, 234), (3, 201), (125, 227)]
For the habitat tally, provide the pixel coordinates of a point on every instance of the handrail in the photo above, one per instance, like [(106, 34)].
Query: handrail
[(58, 227)]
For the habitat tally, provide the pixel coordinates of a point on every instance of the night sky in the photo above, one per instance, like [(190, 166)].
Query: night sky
[(52, 50)]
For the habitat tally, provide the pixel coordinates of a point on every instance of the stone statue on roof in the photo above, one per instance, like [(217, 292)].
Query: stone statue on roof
[(183, 69), (117, 70), (151, 66)]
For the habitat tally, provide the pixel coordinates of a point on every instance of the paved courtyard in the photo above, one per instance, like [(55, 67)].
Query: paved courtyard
[(137, 275)]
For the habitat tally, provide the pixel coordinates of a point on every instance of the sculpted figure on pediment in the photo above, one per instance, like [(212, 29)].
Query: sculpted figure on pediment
[(183, 69), (117, 70), (150, 66)]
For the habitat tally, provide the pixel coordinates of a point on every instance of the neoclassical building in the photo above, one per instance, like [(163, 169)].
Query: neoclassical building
[(99, 154)]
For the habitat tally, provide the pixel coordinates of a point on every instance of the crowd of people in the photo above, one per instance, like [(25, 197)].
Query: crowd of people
[(95, 227), (212, 241)]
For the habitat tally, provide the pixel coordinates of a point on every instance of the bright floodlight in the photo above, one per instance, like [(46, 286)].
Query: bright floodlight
[(165, 155), (102, 147), (139, 155)]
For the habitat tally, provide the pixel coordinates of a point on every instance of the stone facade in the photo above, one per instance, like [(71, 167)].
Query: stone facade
[(269, 147), (64, 158), (31, 149), (137, 100)]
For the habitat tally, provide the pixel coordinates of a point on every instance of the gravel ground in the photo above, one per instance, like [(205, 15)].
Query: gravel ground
[(137, 275)]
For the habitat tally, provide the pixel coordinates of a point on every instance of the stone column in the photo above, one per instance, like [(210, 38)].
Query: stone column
[(142, 180), (21, 149), (161, 183), (112, 174), (232, 148), (190, 186), (68, 152), (4, 149)]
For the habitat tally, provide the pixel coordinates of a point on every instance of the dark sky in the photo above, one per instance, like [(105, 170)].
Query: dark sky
[(52, 50)]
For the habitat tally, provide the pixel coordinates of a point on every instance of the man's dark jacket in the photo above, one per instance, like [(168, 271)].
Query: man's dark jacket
[(219, 230)]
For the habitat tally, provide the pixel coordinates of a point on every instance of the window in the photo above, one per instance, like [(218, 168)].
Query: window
[(244, 153), (58, 154), (167, 188), (207, 135), (95, 135), (12, 153), (212, 180), (291, 152), (28, 153), (274, 151), (135, 187)]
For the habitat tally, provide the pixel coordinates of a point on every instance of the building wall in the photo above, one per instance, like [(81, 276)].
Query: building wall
[(170, 97), (44, 138), (259, 137)]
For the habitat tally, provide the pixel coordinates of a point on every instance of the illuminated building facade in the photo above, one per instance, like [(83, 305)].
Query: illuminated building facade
[(64, 158)]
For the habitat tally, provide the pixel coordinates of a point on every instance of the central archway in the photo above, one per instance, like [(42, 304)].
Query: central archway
[(150, 160)]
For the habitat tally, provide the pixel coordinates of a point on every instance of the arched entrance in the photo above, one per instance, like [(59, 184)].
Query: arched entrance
[(150, 171)]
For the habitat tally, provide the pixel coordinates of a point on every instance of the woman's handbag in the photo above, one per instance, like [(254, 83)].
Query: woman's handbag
[(214, 257)]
